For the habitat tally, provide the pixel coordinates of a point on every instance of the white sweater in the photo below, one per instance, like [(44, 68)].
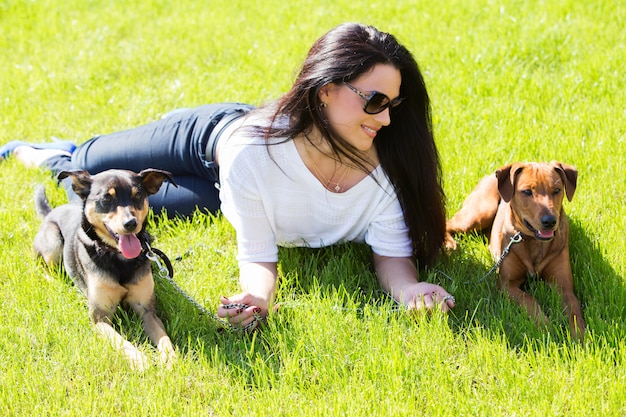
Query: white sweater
[(272, 199)]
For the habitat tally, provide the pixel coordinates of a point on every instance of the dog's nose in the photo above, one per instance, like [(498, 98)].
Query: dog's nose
[(548, 221), (130, 225)]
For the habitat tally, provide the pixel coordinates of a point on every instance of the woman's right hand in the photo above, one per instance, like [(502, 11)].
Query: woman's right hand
[(242, 310), (250, 307)]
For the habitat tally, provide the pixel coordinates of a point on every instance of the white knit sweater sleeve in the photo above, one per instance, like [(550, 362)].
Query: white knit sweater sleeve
[(241, 195)]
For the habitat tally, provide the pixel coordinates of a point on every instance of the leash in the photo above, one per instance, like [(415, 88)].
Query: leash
[(152, 253), (166, 271), (516, 238)]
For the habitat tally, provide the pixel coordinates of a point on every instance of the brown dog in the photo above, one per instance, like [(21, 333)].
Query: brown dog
[(103, 244), (526, 198)]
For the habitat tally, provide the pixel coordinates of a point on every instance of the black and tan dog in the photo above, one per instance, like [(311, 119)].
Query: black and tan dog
[(102, 244), (526, 198)]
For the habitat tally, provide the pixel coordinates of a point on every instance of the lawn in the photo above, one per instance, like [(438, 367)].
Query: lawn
[(510, 80)]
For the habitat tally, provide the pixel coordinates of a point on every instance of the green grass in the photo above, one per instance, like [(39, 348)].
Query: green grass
[(510, 80)]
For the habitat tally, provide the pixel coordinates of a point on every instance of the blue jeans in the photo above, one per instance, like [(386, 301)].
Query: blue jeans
[(177, 143)]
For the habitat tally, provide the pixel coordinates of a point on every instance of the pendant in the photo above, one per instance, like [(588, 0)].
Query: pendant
[(337, 188)]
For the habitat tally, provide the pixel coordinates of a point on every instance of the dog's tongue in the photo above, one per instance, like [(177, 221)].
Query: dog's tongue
[(545, 234), (130, 246)]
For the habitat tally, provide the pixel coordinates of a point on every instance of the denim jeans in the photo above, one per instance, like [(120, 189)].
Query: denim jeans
[(175, 143)]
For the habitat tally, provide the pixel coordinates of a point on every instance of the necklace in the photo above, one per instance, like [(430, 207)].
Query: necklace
[(327, 182)]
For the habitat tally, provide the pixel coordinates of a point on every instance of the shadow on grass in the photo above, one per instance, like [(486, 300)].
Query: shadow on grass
[(345, 268), (341, 278), (601, 291), (332, 283)]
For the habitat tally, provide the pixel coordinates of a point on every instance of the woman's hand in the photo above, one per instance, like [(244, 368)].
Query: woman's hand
[(425, 296), (242, 310), (248, 308), (398, 277)]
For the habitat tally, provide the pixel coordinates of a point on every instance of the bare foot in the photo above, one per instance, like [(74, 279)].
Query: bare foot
[(31, 157)]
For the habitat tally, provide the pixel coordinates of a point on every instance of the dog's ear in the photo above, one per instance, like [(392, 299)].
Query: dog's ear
[(506, 180), (153, 178), (569, 175), (81, 181)]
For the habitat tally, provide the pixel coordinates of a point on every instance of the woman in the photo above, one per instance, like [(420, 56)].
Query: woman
[(346, 155)]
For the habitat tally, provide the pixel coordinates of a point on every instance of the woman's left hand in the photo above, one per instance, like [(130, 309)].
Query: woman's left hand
[(399, 278), (426, 296)]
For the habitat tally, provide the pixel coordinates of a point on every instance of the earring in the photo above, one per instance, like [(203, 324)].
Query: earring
[(323, 105)]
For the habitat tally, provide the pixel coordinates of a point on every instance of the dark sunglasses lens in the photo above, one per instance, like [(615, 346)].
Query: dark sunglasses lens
[(377, 103)]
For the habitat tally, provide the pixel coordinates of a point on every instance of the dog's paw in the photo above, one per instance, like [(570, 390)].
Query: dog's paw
[(167, 354), (449, 244)]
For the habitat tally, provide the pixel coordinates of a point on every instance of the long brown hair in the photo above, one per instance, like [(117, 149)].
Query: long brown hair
[(406, 148)]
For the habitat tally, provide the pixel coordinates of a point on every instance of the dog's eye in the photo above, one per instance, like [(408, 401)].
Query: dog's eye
[(528, 193), (556, 191), (105, 203)]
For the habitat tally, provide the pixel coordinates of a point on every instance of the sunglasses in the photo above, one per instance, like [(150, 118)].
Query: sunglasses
[(376, 102)]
